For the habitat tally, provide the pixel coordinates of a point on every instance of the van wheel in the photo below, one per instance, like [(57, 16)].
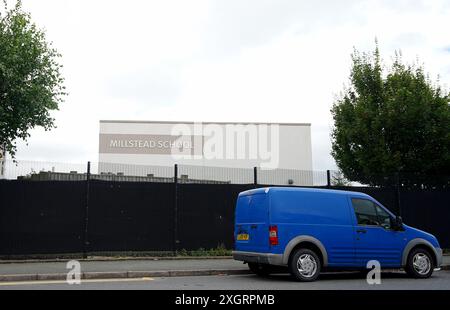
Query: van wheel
[(305, 265), (260, 269), (420, 264)]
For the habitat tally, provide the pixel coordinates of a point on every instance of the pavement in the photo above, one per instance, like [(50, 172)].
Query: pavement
[(121, 269), (128, 269)]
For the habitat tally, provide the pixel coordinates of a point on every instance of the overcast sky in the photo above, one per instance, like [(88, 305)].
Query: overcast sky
[(224, 60)]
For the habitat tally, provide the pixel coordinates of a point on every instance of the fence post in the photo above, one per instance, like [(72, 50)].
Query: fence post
[(255, 176), (398, 185), (328, 178), (86, 212), (175, 211)]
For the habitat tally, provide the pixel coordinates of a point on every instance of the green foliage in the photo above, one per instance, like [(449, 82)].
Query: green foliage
[(31, 85), (221, 250), (389, 121), (338, 179)]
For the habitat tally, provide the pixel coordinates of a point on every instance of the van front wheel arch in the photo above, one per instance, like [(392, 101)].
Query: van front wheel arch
[(305, 265)]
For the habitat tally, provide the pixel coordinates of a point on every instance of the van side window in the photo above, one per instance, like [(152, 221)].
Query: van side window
[(365, 211), (383, 217)]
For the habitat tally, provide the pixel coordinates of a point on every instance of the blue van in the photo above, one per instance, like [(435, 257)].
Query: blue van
[(309, 230)]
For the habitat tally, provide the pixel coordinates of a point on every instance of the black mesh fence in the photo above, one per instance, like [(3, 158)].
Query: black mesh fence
[(41, 217), (206, 215), (95, 215), (125, 216)]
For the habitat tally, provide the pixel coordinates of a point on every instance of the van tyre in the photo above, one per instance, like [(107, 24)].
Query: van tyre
[(305, 265), (420, 264), (260, 269)]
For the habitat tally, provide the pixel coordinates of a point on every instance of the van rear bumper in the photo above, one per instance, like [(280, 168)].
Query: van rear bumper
[(260, 258)]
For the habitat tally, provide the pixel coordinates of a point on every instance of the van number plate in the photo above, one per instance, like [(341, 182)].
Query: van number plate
[(243, 237)]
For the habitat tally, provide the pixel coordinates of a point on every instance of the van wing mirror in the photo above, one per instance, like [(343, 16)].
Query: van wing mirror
[(398, 223)]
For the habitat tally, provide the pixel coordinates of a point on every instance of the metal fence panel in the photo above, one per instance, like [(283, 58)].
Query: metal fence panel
[(37, 169), (41, 217), (126, 216), (132, 173), (287, 177), (211, 175)]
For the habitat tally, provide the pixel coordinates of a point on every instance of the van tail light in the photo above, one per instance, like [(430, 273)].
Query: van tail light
[(273, 235)]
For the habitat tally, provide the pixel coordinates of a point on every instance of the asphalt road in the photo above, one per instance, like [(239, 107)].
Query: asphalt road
[(339, 281)]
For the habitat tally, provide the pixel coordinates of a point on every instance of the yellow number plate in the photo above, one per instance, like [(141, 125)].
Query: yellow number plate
[(243, 237)]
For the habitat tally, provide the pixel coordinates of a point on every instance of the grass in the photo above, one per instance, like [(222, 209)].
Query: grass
[(219, 251)]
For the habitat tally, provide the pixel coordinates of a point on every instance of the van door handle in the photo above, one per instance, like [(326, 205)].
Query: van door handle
[(254, 226), (361, 231)]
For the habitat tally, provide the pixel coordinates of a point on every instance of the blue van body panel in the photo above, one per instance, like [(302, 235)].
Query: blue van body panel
[(254, 218), (413, 233), (325, 216)]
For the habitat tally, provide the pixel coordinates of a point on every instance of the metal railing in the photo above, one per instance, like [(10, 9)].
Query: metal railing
[(53, 171), (196, 174), (22, 169)]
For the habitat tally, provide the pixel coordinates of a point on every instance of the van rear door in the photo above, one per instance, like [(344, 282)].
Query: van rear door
[(252, 223)]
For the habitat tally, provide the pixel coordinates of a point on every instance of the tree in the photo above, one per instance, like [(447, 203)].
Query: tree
[(338, 179), (31, 85), (390, 121)]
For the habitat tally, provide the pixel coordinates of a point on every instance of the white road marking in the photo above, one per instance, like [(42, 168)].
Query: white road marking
[(23, 283)]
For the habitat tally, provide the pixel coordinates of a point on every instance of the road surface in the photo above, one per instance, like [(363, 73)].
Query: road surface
[(335, 281)]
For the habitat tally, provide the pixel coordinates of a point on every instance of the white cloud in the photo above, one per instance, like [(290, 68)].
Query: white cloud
[(279, 61)]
